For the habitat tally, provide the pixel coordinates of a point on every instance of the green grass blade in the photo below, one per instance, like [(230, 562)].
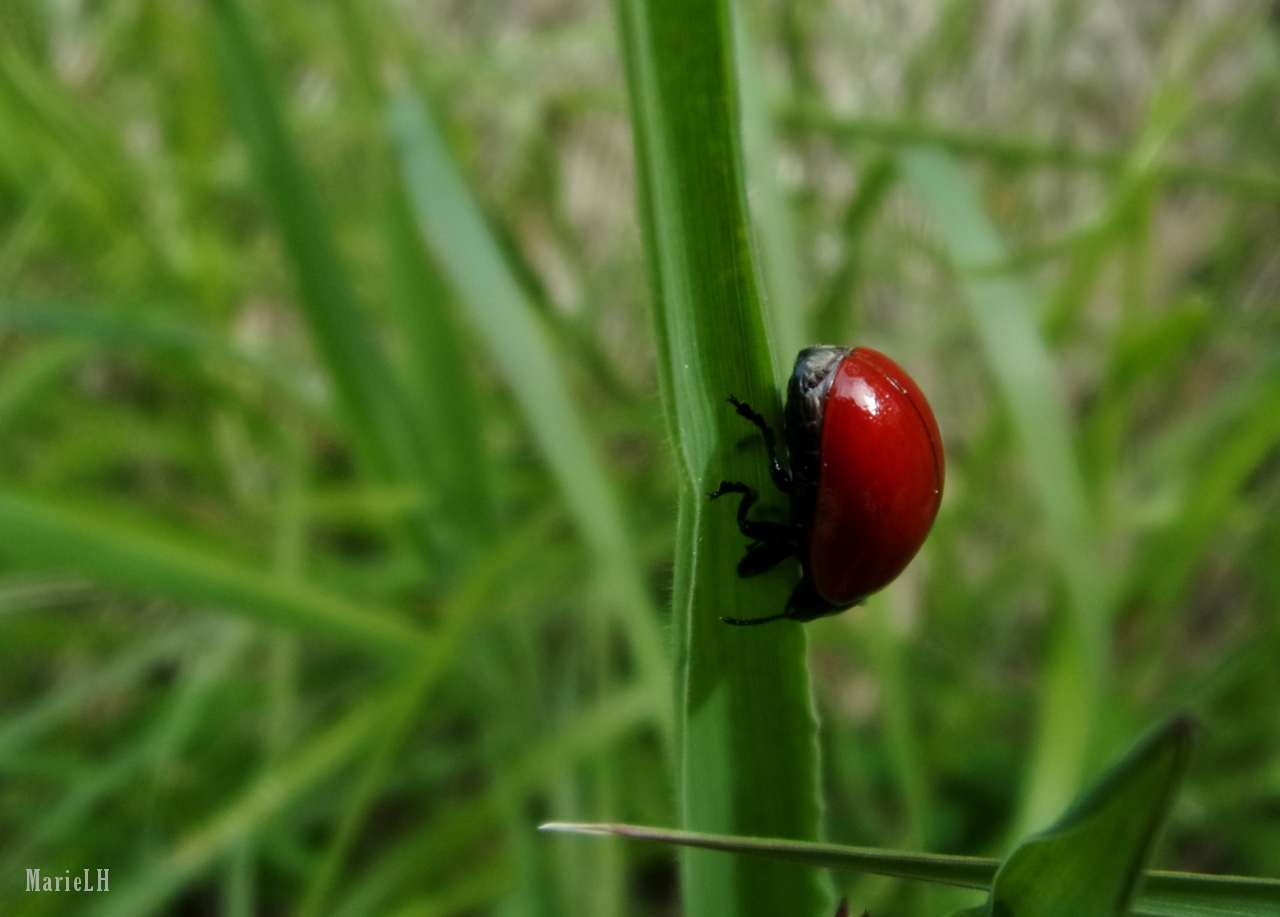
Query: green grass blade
[(394, 722), (32, 373), (21, 730), (270, 793), (95, 324), (53, 537), (455, 228), (1241, 439), (589, 732), (438, 376), (1162, 894), (748, 759), (1091, 861), (958, 871), (1004, 314), (403, 706), (830, 321), (784, 299), (372, 407), (1181, 894), (1020, 152)]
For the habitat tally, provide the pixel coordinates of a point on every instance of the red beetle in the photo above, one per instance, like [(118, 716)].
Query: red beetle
[(865, 480)]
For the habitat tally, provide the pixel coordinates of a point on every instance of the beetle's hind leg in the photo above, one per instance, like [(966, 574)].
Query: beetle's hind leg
[(772, 541), (755, 529), (806, 605), (763, 556)]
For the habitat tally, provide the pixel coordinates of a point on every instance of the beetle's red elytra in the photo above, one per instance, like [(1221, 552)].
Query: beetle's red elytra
[(864, 471)]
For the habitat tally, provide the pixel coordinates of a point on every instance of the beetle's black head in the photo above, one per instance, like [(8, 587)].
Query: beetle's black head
[(802, 419)]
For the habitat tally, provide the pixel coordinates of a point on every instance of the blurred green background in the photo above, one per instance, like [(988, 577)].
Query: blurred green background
[(336, 508)]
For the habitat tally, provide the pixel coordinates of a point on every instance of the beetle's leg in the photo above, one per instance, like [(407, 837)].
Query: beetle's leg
[(804, 605), (748, 622), (755, 529), (781, 477), (763, 556)]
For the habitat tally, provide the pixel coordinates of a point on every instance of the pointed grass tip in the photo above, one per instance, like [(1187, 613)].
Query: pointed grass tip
[(596, 830)]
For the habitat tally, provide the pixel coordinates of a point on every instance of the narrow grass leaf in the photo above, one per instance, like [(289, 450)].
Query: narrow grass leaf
[(1181, 894), (1025, 153), (830, 321), (1161, 894), (958, 871), (1090, 863), (270, 793), (371, 406), (456, 230), (748, 756), (589, 732), (784, 294), (1229, 456), (20, 730), (31, 373), (57, 538), (438, 376), (404, 703), (1004, 315), (93, 323)]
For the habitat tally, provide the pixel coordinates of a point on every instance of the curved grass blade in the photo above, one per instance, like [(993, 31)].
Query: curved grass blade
[(438, 376), (20, 730), (370, 404), (1004, 315), (590, 730), (31, 373), (1091, 861), (403, 707), (748, 756), (455, 228), (99, 325), (784, 300), (272, 792), (57, 538), (877, 178)]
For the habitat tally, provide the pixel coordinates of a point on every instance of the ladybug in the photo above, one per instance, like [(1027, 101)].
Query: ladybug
[(864, 473)]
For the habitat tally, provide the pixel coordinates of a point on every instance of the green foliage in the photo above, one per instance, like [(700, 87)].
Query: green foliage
[(1090, 862), (747, 756), (363, 370)]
